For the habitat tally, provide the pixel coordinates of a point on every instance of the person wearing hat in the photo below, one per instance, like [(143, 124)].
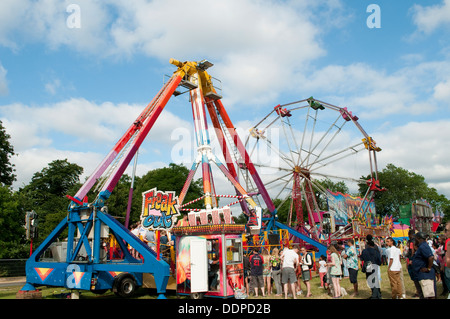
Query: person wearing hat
[(422, 264)]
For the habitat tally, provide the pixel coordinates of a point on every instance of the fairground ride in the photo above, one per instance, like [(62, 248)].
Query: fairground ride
[(295, 147), (83, 264)]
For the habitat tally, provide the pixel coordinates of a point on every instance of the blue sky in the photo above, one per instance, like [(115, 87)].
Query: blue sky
[(72, 92)]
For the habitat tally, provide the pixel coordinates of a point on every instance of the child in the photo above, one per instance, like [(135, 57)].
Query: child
[(322, 270)]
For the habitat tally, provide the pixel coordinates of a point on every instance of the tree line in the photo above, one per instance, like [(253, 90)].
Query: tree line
[(45, 194)]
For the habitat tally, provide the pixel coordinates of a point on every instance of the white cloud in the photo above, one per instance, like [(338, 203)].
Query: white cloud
[(429, 18), (373, 93), (52, 86), (33, 160), (3, 82), (85, 121), (78, 118), (82, 131), (12, 15), (258, 46), (27, 21), (420, 147), (442, 91)]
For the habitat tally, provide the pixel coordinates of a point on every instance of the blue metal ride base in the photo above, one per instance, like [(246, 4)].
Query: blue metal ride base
[(93, 274), (273, 223), (321, 247)]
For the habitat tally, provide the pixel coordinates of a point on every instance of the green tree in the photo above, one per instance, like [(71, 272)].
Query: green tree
[(283, 210), (402, 187), (45, 194), (12, 235), (241, 219), (170, 178), (12, 239)]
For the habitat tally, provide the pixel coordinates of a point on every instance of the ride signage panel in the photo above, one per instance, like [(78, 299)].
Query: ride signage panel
[(159, 209)]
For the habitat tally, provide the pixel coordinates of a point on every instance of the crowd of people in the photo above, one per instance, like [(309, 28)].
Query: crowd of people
[(286, 272)]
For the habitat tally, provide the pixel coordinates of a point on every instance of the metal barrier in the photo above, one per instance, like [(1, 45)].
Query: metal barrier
[(12, 267)]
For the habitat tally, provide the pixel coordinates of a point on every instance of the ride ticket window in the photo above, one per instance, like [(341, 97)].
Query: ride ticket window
[(234, 250)]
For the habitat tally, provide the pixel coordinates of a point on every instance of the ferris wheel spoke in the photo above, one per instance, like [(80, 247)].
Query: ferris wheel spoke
[(285, 184), (242, 171), (266, 117), (338, 130), (317, 185), (350, 179), (284, 200), (311, 138), (308, 204), (283, 124), (280, 179), (313, 182), (279, 168), (351, 150), (280, 153), (303, 135), (275, 183)]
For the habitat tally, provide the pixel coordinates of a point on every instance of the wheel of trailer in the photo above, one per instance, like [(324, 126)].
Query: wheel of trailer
[(124, 286)]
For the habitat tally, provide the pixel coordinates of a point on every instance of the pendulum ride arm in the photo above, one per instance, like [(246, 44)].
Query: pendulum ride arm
[(188, 181), (198, 98), (223, 145), (241, 148), (130, 142), (203, 142)]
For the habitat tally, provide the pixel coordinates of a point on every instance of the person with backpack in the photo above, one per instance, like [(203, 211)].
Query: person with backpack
[(256, 271), (371, 259), (306, 263)]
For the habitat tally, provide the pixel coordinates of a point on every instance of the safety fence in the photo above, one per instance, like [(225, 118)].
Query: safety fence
[(12, 267)]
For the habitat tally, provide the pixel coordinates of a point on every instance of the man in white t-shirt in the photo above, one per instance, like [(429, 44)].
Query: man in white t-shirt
[(394, 268), (289, 262)]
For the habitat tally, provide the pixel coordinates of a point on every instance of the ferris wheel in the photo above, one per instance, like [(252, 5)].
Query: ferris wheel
[(300, 146)]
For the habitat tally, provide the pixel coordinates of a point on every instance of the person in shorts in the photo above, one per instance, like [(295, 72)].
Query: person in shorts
[(351, 257), (256, 271), (289, 262)]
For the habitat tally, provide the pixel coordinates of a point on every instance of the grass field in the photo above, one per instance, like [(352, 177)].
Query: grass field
[(364, 290), (317, 293)]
